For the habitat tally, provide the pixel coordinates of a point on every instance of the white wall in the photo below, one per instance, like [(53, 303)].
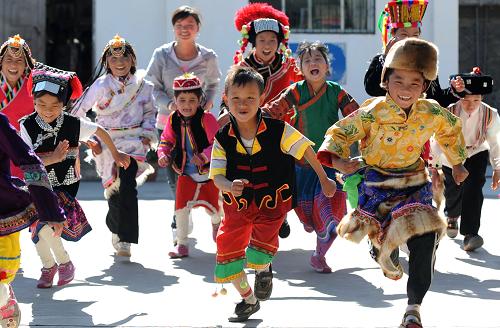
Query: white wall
[(146, 24)]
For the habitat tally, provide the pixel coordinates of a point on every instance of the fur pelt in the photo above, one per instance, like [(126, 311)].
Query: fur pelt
[(410, 221), (144, 169), (415, 55), (438, 189)]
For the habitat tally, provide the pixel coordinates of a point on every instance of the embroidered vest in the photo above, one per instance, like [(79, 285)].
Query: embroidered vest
[(197, 133), (271, 172), (62, 173)]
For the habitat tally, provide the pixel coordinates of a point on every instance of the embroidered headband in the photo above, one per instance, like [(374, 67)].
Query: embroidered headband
[(187, 81), (17, 47), (260, 17), (401, 14)]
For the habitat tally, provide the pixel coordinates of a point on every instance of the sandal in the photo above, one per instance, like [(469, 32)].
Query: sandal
[(411, 323)]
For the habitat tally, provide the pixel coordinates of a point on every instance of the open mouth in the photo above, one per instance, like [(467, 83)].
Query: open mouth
[(314, 72), (13, 72), (267, 53), (404, 98)]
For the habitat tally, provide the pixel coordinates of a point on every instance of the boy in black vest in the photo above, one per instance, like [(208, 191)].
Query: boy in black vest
[(253, 164)]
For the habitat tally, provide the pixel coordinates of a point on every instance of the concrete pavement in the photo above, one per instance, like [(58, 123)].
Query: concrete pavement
[(151, 290)]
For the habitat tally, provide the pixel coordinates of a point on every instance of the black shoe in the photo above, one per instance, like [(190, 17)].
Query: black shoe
[(472, 242), (284, 229), (244, 310), (263, 286)]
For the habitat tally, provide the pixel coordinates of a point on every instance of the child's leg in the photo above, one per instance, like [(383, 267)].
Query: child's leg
[(66, 269), (318, 261), (10, 253), (123, 214), (182, 247), (421, 269)]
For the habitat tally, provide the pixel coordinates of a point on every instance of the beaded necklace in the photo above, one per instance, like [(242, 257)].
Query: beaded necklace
[(46, 127)]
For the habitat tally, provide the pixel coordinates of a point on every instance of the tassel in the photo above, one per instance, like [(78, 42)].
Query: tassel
[(76, 87), (223, 291)]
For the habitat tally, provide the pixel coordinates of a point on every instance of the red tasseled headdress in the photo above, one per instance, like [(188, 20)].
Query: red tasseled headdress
[(258, 10)]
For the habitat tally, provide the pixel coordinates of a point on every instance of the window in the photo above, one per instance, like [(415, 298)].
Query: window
[(328, 16)]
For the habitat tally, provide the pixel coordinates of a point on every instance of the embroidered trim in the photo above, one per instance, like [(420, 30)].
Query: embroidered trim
[(10, 93), (35, 175), (51, 131)]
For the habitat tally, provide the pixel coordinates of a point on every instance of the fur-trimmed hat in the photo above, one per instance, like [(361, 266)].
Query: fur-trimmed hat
[(414, 55)]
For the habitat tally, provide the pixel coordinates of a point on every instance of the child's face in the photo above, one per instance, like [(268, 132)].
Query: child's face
[(471, 103), (313, 66), (120, 66), (13, 68), (187, 103), (48, 107), (266, 45), (405, 87), (407, 32), (186, 29), (243, 101)]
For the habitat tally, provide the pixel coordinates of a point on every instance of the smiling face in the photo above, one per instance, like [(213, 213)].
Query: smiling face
[(119, 66), (266, 45), (187, 103), (13, 68), (314, 66), (405, 87), (471, 103), (186, 29), (48, 107), (243, 101)]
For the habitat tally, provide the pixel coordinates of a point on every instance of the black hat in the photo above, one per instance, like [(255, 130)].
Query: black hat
[(475, 82)]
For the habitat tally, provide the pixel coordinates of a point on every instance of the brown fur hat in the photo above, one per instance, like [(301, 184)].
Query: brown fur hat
[(415, 55)]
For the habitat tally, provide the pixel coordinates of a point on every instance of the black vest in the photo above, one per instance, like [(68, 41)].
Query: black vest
[(70, 130), (267, 170), (200, 136)]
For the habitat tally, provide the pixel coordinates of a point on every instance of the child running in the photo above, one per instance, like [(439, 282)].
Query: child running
[(123, 103), (54, 136), (186, 144), (253, 164), (312, 106), (394, 200)]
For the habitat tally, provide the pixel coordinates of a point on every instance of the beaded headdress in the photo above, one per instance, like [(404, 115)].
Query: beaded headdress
[(260, 17), (475, 82), (186, 81), (17, 47), (118, 47), (62, 84), (401, 14)]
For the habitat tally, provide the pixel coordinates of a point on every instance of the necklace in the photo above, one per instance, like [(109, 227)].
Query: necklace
[(46, 127)]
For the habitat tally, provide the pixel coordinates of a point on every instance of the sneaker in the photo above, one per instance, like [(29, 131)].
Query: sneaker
[(179, 252), (263, 286), (10, 314), (284, 229), (411, 319), (472, 242), (123, 249), (452, 228), (215, 229), (244, 310), (66, 273), (319, 264), (47, 277), (115, 240)]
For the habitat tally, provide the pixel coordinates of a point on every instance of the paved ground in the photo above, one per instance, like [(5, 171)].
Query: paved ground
[(150, 290)]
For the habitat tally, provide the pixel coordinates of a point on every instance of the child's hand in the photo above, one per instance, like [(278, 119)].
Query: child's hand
[(237, 186), (122, 159), (328, 186), (346, 166), (57, 227), (146, 141), (59, 154), (459, 173), (495, 180), (95, 146), (458, 84), (197, 160), (164, 161)]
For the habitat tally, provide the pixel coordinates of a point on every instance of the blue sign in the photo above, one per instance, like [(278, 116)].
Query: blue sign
[(337, 61)]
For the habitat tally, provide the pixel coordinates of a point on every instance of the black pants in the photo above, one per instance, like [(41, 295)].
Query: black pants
[(123, 214), (421, 266), (471, 190)]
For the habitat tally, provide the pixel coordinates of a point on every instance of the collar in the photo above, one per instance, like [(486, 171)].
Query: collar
[(260, 128)]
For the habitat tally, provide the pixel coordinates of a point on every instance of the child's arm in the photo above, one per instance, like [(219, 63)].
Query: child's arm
[(347, 104), (235, 187), (88, 99), (149, 135), (493, 139), (121, 159), (58, 155), (167, 143), (281, 108), (327, 185)]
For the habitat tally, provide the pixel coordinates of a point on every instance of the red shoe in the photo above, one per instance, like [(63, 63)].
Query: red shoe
[(10, 313), (66, 273), (179, 252), (47, 277), (319, 264)]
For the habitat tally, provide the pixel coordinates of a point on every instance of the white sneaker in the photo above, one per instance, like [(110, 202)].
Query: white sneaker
[(123, 249), (115, 240)]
